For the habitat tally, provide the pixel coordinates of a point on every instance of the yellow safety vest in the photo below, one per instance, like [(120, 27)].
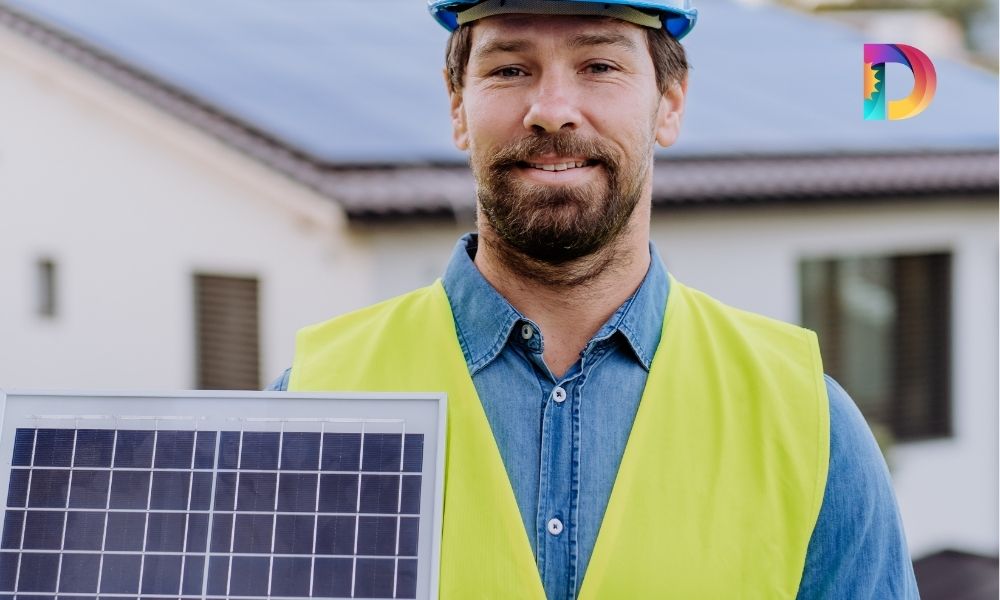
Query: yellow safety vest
[(718, 490)]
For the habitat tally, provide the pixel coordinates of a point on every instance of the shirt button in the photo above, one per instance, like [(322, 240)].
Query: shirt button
[(559, 395), (527, 331), (554, 526)]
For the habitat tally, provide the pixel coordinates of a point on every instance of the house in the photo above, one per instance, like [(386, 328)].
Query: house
[(180, 191)]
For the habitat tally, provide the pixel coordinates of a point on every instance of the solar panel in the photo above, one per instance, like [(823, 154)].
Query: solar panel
[(220, 495)]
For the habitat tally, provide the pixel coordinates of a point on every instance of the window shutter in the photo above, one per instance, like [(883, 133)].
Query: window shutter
[(228, 332)]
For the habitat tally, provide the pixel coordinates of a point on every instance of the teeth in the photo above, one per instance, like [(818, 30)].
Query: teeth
[(558, 166)]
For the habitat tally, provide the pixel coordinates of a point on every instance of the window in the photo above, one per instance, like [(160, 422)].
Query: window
[(884, 331), (228, 334), (46, 287)]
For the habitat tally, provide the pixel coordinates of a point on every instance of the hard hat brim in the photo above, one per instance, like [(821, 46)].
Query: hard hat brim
[(677, 20)]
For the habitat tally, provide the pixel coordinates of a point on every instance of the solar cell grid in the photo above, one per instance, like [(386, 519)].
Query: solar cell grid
[(116, 513)]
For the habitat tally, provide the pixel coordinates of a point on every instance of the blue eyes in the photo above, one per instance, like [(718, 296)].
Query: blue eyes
[(510, 72), (514, 72)]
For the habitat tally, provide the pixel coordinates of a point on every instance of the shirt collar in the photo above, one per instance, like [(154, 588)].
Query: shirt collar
[(484, 319)]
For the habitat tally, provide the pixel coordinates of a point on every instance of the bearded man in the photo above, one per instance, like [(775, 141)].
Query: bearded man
[(612, 433)]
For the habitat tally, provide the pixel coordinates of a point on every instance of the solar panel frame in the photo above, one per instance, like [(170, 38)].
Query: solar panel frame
[(380, 418)]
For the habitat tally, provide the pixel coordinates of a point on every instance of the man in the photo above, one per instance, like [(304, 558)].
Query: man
[(612, 433)]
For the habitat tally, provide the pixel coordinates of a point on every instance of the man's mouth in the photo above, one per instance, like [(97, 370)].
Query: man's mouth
[(558, 166)]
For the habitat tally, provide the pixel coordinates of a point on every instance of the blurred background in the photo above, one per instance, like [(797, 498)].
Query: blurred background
[(183, 185)]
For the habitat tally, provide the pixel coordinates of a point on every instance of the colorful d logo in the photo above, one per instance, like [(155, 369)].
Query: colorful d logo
[(924, 81)]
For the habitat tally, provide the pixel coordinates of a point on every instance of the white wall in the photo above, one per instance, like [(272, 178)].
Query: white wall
[(947, 489), (130, 203)]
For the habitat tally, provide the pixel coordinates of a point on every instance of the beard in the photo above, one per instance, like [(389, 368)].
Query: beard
[(556, 225)]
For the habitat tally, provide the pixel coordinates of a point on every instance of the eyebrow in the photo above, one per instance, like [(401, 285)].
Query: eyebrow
[(586, 40), (500, 46)]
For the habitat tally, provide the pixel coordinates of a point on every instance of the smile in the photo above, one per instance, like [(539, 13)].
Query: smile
[(559, 166)]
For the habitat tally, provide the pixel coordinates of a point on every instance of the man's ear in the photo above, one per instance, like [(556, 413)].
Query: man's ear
[(668, 116), (459, 126)]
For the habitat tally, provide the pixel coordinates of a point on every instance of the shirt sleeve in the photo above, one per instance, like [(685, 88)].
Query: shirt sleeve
[(281, 383), (858, 548)]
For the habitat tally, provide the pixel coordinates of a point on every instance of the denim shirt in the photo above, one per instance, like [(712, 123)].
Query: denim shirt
[(562, 438)]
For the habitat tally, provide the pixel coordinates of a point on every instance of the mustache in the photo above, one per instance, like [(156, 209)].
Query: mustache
[(563, 143)]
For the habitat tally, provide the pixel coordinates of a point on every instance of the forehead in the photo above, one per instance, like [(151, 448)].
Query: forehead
[(518, 32)]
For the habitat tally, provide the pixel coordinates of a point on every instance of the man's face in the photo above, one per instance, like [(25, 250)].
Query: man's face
[(560, 115)]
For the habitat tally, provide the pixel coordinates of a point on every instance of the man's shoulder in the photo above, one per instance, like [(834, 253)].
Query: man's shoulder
[(858, 548), (376, 313), (709, 304)]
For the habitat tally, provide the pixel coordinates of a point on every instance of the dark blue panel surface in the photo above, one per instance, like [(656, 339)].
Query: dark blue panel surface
[(13, 526), (8, 570), (413, 453), (174, 449), (379, 493), (249, 577), (253, 534), (89, 489), (204, 452), (332, 577), (341, 452), (335, 535), (409, 529), (134, 508), (382, 452), (259, 450), (256, 491), (201, 491), (94, 447), (161, 574), (409, 501), (43, 530), (134, 449), (125, 531), (170, 490), (84, 530), (48, 489), (229, 449), (24, 444), (130, 489), (377, 536), (194, 575), (225, 491), (218, 575), (38, 573), (338, 493), (373, 578), (54, 447), (222, 533), (300, 451), (165, 532), (293, 534), (17, 489), (120, 573), (406, 578), (79, 573), (290, 576), (197, 532), (297, 492)]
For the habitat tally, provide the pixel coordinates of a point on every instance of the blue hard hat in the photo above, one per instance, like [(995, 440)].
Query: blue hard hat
[(677, 16)]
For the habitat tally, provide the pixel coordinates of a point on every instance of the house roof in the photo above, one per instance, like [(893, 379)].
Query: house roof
[(351, 102)]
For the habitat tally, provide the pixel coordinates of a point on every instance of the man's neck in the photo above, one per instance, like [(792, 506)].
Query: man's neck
[(570, 302)]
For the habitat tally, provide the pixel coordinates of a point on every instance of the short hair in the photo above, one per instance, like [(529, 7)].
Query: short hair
[(669, 58)]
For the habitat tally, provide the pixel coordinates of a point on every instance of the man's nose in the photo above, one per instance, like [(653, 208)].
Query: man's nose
[(553, 106)]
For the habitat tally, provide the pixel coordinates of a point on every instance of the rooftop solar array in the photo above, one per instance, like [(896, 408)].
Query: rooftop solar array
[(347, 83), (334, 498)]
